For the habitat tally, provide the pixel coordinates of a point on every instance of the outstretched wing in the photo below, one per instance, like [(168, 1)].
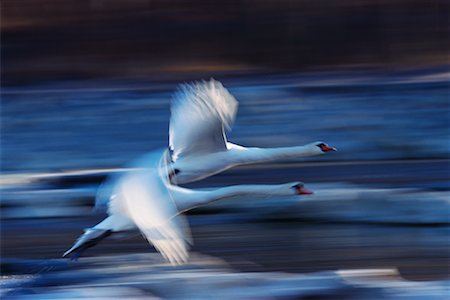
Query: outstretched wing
[(144, 197), (200, 114)]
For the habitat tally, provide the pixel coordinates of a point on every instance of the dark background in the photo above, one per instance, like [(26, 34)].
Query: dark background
[(45, 40)]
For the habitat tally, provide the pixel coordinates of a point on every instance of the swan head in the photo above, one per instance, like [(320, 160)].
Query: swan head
[(300, 189), (324, 147)]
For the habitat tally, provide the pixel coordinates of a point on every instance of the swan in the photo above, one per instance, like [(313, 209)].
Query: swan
[(201, 112), (144, 198)]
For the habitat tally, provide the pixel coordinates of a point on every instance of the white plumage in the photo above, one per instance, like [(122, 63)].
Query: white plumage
[(200, 113)]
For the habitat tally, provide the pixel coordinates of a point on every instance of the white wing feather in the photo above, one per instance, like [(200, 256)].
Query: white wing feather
[(200, 113), (142, 195)]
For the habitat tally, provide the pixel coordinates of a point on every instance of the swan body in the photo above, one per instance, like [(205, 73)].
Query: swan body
[(144, 198)]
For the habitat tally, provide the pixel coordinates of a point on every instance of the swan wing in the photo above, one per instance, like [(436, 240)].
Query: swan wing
[(200, 114), (148, 204), (143, 196), (107, 192)]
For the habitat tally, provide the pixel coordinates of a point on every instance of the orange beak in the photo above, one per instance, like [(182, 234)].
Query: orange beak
[(303, 191), (327, 148)]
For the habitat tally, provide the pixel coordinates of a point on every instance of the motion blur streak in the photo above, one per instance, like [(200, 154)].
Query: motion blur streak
[(86, 87)]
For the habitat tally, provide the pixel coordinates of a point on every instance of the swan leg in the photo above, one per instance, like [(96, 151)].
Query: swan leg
[(90, 238)]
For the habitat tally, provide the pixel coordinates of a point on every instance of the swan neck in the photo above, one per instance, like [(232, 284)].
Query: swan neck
[(297, 151), (256, 155), (243, 190)]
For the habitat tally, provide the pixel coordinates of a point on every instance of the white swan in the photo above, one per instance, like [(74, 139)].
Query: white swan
[(200, 114), (144, 198)]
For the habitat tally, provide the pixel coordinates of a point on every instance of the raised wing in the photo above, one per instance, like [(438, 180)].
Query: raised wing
[(143, 196), (200, 114)]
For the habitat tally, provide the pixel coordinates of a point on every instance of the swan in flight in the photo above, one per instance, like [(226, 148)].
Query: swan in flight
[(201, 112), (144, 198)]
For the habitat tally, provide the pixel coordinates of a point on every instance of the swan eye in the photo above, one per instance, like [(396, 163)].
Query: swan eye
[(297, 188), (322, 146)]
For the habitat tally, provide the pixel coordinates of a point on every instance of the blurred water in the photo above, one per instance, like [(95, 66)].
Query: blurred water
[(381, 202), (367, 116), (224, 254)]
